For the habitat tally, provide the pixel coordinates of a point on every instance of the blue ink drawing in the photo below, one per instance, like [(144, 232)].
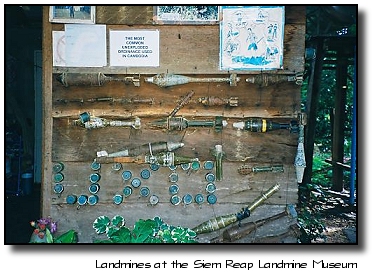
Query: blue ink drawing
[(251, 37)]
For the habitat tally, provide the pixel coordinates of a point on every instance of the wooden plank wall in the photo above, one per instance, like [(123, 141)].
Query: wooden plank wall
[(76, 147)]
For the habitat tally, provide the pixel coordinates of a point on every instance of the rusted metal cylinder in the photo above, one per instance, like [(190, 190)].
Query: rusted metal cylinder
[(264, 79), (92, 79), (82, 79), (218, 101), (263, 197)]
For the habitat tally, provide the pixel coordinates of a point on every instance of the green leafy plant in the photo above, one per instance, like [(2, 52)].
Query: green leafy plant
[(144, 231), (44, 232)]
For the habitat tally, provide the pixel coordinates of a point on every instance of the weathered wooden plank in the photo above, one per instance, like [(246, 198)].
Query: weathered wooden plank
[(276, 100), (47, 112), (202, 41)]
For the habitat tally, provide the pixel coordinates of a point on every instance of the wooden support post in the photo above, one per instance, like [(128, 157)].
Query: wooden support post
[(47, 115), (312, 102), (339, 122)]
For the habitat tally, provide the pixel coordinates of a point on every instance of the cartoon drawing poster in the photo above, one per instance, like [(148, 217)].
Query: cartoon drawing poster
[(251, 37)]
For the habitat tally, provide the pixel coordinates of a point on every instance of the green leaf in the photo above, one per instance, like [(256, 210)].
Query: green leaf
[(102, 241), (118, 221), (158, 221), (111, 231), (122, 235), (67, 237), (143, 229), (100, 224), (48, 236)]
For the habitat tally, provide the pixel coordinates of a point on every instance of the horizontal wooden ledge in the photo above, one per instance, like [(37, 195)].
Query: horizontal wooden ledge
[(162, 112)]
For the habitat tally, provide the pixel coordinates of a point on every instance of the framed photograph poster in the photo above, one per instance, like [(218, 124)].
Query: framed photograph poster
[(251, 37), (186, 14), (72, 14)]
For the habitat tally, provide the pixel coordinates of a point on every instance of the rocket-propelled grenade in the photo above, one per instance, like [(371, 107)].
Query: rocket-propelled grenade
[(145, 149), (161, 159), (180, 123), (265, 125), (226, 220), (168, 80)]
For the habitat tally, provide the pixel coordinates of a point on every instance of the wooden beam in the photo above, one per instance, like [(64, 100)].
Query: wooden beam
[(339, 123), (312, 102), (344, 166), (47, 115)]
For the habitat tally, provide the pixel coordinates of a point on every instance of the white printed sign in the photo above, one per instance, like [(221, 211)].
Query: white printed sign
[(134, 48)]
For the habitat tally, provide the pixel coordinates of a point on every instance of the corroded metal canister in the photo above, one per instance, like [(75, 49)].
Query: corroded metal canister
[(144, 191), (94, 188), (58, 188), (93, 199), (58, 177), (57, 167), (95, 166), (218, 101), (71, 199), (94, 177), (81, 79), (154, 199), (264, 79), (92, 79)]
